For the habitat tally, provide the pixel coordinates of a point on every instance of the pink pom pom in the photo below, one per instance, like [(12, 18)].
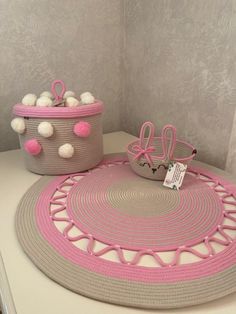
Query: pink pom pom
[(82, 129), (32, 147)]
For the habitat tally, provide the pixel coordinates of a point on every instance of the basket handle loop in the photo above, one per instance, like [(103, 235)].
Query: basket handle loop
[(150, 127), (168, 149), (53, 89)]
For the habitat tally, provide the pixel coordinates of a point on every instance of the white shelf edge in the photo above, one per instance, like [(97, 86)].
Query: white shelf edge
[(6, 300)]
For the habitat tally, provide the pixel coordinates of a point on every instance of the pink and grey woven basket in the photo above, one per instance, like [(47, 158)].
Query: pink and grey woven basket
[(87, 151), (150, 156)]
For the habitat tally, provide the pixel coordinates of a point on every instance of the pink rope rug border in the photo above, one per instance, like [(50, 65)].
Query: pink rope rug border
[(48, 226)]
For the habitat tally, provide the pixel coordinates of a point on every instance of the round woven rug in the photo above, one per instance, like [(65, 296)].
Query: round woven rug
[(114, 236)]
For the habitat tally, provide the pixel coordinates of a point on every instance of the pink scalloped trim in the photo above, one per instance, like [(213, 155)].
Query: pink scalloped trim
[(211, 262), (58, 112), (152, 223)]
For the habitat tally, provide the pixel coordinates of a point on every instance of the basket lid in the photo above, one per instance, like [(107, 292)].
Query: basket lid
[(58, 112)]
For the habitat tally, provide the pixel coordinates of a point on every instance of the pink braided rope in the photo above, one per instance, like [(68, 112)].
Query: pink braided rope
[(54, 92), (168, 152), (60, 201), (142, 148)]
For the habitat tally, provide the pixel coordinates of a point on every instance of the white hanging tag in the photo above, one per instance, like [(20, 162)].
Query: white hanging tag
[(175, 175)]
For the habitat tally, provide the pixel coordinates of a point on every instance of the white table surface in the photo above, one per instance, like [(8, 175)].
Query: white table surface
[(31, 291)]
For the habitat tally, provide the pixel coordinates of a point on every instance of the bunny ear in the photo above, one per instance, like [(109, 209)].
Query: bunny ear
[(168, 143), (150, 127)]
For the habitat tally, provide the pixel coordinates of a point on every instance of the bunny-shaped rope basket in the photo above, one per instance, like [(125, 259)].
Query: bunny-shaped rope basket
[(150, 156)]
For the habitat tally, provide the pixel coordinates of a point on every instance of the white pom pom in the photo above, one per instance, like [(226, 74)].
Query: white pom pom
[(18, 125), (44, 101), (45, 129), (47, 94), (29, 100), (87, 98), (72, 102), (66, 151), (68, 93)]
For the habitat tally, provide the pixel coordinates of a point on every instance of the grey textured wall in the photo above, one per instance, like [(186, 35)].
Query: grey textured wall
[(78, 41), (169, 61), (180, 69)]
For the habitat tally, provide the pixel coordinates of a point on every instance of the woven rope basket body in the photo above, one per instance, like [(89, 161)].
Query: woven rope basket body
[(150, 156), (88, 152)]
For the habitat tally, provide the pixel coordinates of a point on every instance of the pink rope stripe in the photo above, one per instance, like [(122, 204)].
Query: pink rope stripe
[(154, 254), (151, 224), (230, 186), (183, 272), (58, 112)]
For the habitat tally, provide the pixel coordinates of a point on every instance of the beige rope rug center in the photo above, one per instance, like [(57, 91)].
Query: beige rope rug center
[(113, 236)]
